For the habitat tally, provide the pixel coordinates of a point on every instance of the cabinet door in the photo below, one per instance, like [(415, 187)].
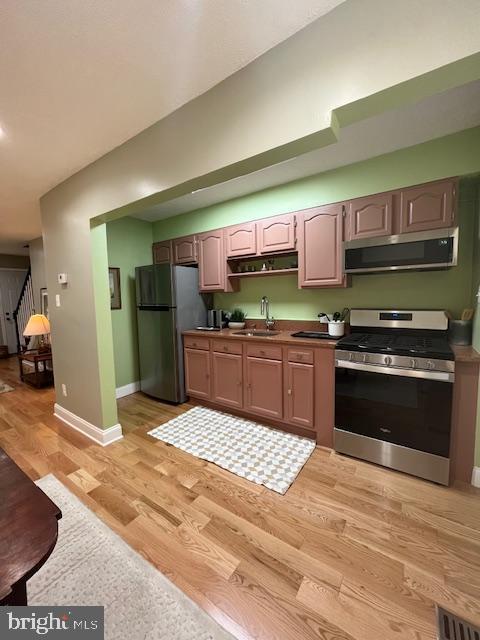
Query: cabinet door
[(241, 240), (227, 379), (276, 234), (185, 250), (370, 217), (162, 252), (429, 206), (197, 373), (320, 237), (211, 261), (263, 393), (299, 394)]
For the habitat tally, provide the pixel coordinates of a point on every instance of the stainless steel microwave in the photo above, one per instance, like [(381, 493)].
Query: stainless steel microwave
[(436, 249)]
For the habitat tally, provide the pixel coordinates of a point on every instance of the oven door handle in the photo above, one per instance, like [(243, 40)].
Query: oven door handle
[(439, 376)]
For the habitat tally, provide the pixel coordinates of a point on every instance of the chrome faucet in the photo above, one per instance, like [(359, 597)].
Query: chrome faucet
[(265, 309)]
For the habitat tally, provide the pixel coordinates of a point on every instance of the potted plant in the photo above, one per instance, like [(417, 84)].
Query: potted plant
[(237, 319)]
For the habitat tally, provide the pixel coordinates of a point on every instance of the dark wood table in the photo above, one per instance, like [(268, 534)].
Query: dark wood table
[(42, 375), (28, 531)]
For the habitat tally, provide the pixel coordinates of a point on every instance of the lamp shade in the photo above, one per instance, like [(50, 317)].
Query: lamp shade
[(38, 325)]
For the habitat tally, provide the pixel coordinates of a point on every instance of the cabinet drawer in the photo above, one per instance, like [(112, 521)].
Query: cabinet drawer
[(196, 343), (227, 346), (300, 355), (272, 352)]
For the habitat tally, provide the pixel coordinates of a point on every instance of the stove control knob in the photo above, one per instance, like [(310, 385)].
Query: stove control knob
[(365, 358), (350, 356), (413, 363), (430, 364), (387, 360)]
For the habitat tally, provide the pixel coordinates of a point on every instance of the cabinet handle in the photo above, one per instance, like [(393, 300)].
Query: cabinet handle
[(194, 344), (262, 352), (249, 386), (239, 383), (289, 392)]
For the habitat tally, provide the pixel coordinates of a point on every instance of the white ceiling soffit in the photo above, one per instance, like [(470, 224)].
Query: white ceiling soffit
[(433, 117), (80, 77)]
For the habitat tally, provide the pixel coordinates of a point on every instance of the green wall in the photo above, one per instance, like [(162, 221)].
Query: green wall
[(452, 289), (105, 347), (129, 244)]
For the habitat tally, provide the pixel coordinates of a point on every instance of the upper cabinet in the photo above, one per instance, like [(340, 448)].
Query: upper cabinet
[(429, 206), (320, 237), (185, 250), (317, 234), (276, 234), (162, 252), (241, 240), (370, 217), (211, 261)]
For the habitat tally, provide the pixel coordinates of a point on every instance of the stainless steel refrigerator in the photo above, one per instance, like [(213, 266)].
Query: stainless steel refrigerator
[(168, 302)]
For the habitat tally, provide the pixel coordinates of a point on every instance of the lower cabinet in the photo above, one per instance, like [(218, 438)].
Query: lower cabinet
[(263, 387), (197, 373), (299, 394), (227, 379), (291, 385)]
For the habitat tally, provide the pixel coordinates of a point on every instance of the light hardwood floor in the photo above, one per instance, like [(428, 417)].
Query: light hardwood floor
[(351, 551)]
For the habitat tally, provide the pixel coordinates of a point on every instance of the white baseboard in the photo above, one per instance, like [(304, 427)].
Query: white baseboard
[(476, 476), (128, 389), (100, 436)]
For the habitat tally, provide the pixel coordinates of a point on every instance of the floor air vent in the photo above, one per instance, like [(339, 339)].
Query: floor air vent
[(451, 627)]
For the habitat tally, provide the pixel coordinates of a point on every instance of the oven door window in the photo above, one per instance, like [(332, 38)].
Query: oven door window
[(411, 412)]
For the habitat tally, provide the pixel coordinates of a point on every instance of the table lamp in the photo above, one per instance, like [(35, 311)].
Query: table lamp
[(38, 325)]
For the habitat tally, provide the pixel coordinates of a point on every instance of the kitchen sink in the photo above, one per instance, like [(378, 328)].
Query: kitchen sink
[(253, 332)]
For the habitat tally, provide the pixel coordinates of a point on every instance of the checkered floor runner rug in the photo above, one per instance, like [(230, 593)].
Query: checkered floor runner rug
[(260, 454)]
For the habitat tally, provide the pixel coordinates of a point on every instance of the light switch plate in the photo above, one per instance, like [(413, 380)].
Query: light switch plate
[(57, 300)]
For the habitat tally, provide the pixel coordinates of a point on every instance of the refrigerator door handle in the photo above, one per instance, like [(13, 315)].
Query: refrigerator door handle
[(154, 307)]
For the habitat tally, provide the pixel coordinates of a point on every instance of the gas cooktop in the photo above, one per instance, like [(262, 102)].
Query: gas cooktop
[(401, 343)]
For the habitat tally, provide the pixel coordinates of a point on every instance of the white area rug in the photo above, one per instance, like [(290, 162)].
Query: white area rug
[(260, 454), (4, 387), (91, 565)]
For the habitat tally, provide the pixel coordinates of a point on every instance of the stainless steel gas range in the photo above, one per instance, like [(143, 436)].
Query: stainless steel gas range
[(394, 379)]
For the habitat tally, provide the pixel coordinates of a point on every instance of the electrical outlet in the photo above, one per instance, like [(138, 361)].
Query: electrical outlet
[(64, 389), (57, 300)]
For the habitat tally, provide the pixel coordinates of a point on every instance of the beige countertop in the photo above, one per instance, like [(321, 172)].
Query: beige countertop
[(282, 337)]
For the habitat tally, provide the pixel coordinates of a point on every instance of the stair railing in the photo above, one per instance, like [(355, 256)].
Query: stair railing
[(24, 309)]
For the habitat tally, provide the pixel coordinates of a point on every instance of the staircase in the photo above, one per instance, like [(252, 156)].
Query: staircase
[(25, 308)]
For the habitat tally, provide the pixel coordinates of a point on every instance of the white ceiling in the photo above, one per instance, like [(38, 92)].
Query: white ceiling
[(79, 77), (433, 117)]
